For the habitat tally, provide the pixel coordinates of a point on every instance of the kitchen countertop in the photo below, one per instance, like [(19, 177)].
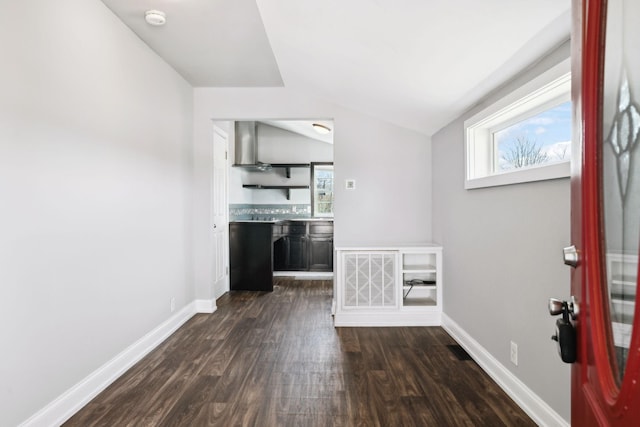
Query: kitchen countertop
[(276, 221), (258, 221)]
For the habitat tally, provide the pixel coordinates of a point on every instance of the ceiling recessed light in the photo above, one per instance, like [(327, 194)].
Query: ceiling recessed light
[(155, 17), (321, 129)]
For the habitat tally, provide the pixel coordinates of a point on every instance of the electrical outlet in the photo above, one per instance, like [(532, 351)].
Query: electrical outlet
[(172, 304), (514, 353)]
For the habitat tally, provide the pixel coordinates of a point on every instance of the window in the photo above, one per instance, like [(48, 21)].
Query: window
[(322, 189), (525, 136)]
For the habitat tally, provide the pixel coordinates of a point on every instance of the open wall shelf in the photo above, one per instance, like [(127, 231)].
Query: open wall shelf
[(288, 166), (286, 188)]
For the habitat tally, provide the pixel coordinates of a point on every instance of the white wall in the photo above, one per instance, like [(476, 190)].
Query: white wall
[(95, 135), (277, 145), (391, 166), (503, 258)]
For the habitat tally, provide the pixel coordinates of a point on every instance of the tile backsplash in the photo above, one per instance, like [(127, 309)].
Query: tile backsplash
[(267, 212)]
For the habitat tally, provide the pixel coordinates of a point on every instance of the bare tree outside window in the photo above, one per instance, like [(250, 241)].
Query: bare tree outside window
[(563, 152), (522, 153)]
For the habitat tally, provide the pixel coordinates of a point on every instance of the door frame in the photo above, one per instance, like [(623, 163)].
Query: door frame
[(218, 128)]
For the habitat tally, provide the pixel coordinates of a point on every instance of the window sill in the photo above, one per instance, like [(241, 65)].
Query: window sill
[(542, 173)]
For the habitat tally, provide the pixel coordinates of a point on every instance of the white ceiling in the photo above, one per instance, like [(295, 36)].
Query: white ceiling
[(304, 127), (415, 63)]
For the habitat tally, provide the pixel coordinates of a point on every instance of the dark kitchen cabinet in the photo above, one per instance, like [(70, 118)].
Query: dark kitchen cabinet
[(321, 246), (297, 257), (280, 250), (304, 246), (290, 253), (290, 248), (250, 256), (320, 253)]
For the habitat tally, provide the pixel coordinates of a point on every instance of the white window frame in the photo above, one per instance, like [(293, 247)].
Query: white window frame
[(314, 201), (542, 93)]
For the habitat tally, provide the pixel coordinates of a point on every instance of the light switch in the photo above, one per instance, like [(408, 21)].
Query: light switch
[(350, 184)]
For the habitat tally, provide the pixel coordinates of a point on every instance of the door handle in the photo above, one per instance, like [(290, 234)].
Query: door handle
[(571, 256), (557, 306), (565, 334)]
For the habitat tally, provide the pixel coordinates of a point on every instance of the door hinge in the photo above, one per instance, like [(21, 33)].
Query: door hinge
[(226, 153), (227, 270)]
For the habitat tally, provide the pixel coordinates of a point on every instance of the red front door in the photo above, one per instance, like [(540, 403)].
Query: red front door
[(606, 212)]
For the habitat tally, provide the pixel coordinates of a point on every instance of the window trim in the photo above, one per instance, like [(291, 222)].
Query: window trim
[(312, 187), (550, 88)]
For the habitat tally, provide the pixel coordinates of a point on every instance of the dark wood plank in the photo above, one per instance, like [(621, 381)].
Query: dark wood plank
[(275, 359)]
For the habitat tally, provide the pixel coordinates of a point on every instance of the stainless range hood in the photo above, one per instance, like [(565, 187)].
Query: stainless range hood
[(246, 147)]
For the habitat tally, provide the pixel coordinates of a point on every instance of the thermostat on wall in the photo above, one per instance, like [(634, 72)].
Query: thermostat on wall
[(350, 184)]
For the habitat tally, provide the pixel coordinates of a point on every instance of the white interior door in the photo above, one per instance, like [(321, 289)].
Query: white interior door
[(219, 210)]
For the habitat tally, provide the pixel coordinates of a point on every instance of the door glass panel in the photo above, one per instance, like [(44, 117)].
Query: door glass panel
[(621, 174)]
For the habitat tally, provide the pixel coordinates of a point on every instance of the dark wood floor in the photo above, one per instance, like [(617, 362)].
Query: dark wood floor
[(275, 359)]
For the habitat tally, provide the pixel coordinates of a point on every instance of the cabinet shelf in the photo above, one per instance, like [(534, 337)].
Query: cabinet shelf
[(409, 287), (419, 302), (419, 268), (420, 284), (288, 166), (286, 188), (275, 187)]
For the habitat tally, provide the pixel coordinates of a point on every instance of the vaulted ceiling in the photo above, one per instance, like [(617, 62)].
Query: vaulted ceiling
[(415, 63)]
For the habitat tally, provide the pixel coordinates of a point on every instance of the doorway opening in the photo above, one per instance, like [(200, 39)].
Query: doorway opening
[(281, 171)]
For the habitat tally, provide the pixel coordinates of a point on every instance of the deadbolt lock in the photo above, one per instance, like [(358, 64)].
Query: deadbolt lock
[(565, 334)]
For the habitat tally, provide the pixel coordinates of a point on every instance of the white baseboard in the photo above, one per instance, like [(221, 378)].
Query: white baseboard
[(67, 404), (530, 402), (305, 275), (358, 318), (205, 306), (71, 401)]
